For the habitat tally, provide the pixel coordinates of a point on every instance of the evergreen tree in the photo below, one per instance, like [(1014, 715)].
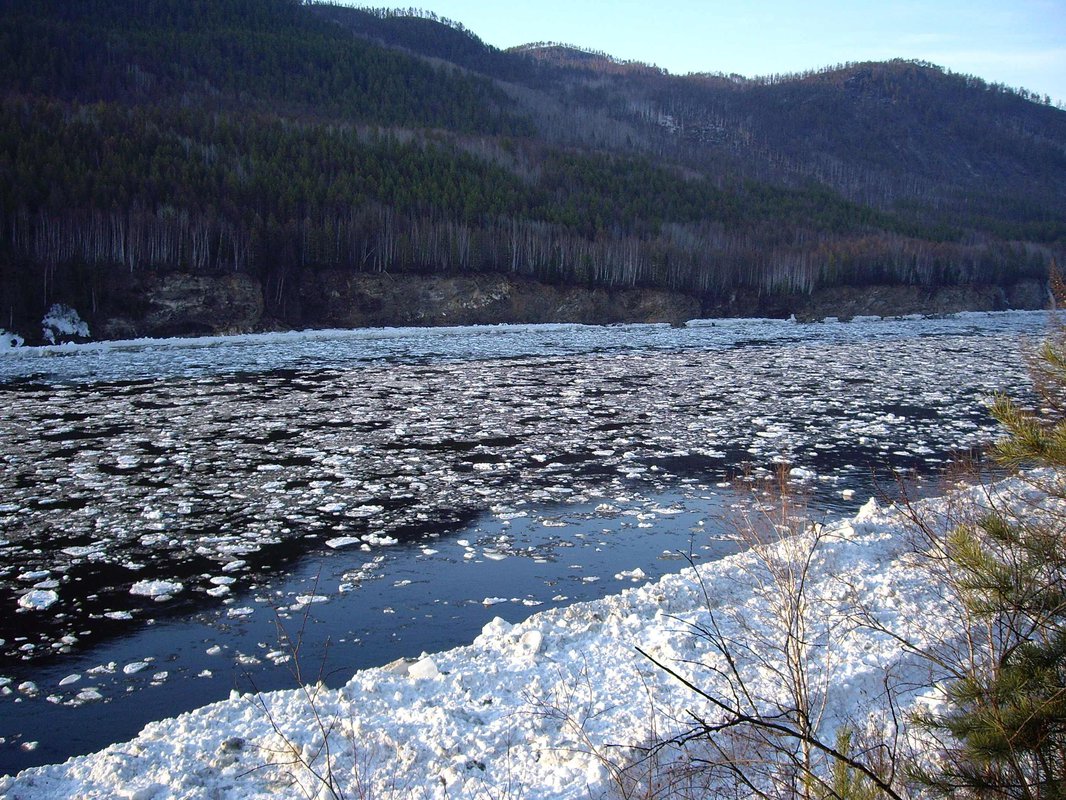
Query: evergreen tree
[(1005, 717)]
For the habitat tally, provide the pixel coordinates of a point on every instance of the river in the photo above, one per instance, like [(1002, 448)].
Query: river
[(180, 518)]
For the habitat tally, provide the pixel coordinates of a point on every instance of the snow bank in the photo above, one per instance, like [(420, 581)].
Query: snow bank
[(542, 708)]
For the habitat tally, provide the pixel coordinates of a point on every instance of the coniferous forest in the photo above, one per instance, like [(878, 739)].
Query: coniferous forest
[(279, 141)]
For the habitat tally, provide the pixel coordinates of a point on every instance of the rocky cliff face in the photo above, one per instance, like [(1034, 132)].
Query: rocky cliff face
[(845, 302), (177, 304), (338, 299), (887, 301)]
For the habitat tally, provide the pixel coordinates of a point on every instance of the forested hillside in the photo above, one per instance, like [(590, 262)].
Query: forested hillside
[(281, 141)]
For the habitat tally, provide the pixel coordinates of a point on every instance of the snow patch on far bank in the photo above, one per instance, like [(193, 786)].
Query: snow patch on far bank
[(63, 323)]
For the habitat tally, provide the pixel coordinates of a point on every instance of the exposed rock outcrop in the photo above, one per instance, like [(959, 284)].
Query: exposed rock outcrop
[(179, 304), (845, 302), (340, 299), (886, 301)]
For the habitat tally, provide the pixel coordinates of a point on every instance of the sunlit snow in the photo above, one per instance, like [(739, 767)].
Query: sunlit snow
[(558, 705)]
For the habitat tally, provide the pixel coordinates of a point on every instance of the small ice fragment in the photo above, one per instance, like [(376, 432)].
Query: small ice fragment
[(38, 599), (158, 590), (869, 510), (496, 627), (425, 669), (152, 791), (365, 511), (134, 667), (379, 540), (74, 678), (491, 601), (530, 642), (509, 515)]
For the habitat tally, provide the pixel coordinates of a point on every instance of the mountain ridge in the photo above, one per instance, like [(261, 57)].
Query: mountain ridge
[(280, 140)]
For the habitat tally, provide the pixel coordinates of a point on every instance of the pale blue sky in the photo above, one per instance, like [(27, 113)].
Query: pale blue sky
[(1021, 43)]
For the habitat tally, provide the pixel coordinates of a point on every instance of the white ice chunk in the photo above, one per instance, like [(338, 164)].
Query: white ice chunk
[(424, 669), (160, 590), (869, 510), (38, 599), (530, 642), (89, 695)]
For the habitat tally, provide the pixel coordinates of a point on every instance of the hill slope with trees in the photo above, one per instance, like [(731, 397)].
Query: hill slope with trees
[(287, 147)]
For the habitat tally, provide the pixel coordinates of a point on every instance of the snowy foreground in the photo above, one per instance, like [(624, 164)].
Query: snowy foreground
[(554, 707)]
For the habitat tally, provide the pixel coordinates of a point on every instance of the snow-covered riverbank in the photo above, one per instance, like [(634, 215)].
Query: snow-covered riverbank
[(550, 707)]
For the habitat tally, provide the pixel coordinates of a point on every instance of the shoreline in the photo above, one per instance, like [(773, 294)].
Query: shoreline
[(506, 709)]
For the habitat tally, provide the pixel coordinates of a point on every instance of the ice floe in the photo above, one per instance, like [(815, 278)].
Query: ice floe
[(156, 589), (39, 599)]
